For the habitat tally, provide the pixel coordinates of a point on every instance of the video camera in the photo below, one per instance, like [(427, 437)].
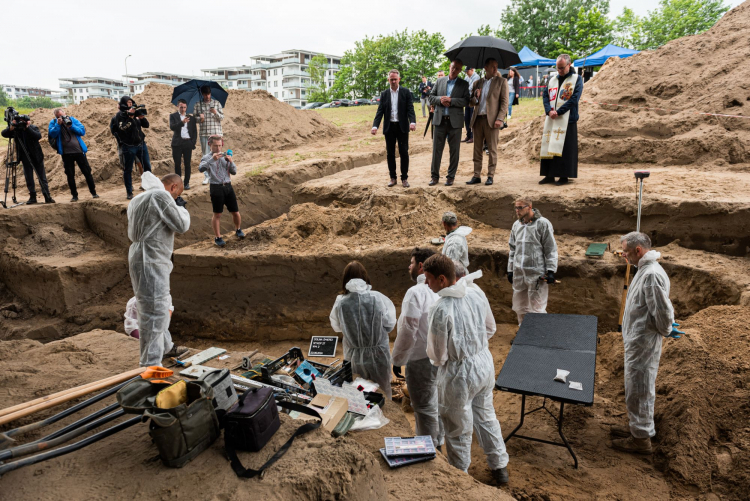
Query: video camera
[(140, 109), (21, 120)]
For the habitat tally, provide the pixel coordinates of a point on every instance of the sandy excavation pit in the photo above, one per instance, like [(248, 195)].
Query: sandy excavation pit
[(313, 198)]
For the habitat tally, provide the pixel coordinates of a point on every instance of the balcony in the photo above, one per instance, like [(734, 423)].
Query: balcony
[(290, 60), (257, 78), (332, 66), (296, 73), (295, 85), (260, 66)]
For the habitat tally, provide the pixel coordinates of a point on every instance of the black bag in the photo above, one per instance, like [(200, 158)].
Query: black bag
[(250, 424), (182, 432)]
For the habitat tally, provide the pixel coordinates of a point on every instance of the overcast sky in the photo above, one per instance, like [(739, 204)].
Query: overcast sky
[(74, 38)]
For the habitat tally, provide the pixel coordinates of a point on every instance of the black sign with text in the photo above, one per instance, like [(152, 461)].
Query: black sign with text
[(323, 346)]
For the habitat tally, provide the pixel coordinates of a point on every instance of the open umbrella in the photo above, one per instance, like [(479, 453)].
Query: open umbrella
[(475, 50), (191, 92)]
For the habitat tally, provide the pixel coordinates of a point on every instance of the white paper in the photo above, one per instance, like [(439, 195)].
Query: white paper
[(576, 386), (561, 375)]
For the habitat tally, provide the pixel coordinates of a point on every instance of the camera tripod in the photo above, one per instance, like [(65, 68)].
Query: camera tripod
[(11, 172)]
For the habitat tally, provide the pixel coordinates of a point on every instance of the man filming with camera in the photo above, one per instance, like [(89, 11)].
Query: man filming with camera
[(30, 153), (127, 127), (67, 132)]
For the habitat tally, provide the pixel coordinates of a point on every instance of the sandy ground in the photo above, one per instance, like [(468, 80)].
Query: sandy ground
[(313, 197)]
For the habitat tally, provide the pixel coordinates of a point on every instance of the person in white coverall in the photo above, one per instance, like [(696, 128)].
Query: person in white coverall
[(532, 260), (153, 219), (649, 317), (455, 247), (410, 349), (365, 317), (460, 323)]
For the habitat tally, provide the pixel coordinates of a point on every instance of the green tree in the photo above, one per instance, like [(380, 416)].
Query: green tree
[(593, 30), (3, 98), (37, 102), (318, 91), (678, 18), (627, 30)]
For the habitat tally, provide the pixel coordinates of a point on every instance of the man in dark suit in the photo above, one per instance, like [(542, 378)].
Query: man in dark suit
[(184, 137), (449, 96), (397, 107)]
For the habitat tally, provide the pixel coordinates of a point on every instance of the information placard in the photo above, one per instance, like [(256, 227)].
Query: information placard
[(323, 346)]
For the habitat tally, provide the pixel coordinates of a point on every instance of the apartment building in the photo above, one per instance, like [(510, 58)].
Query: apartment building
[(284, 75), (82, 88), (21, 91), (136, 83)]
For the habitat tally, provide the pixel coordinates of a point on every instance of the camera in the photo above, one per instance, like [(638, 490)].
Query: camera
[(67, 121), (21, 120), (140, 110)]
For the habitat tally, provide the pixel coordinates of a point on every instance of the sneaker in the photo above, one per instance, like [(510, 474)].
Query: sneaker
[(205, 178), (500, 475), (240, 234), (634, 445), (129, 197), (488, 182), (187, 186), (94, 196), (547, 180), (176, 351), (219, 241), (474, 180), (74, 199)]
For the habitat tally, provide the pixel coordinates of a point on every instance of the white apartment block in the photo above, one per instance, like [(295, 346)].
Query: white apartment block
[(81, 88), (284, 75), (21, 91), (136, 83)]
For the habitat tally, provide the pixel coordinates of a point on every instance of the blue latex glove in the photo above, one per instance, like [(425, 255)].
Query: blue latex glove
[(675, 333)]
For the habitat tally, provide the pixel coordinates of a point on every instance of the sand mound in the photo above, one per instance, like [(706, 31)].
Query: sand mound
[(703, 73), (702, 411), (252, 121)]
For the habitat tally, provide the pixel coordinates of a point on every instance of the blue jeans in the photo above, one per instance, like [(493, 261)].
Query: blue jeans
[(511, 97), (129, 154)]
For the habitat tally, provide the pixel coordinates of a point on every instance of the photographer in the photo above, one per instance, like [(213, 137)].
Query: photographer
[(30, 153), (127, 127), (67, 131), (183, 140), (219, 166)]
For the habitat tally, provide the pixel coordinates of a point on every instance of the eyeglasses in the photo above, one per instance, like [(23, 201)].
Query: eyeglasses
[(522, 207)]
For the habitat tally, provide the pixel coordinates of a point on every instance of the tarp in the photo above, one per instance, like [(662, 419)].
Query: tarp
[(531, 58), (599, 57)]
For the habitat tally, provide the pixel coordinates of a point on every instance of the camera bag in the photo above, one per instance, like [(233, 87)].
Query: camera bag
[(225, 396), (181, 432), (252, 421)]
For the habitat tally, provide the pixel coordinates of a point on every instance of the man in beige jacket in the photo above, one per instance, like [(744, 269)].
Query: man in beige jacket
[(489, 98)]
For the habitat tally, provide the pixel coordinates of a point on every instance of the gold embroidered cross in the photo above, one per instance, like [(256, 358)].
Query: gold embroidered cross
[(548, 134), (558, 132)]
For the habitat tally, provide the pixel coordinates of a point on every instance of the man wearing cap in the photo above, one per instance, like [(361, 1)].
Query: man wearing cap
[(210, 114), (456, 247)]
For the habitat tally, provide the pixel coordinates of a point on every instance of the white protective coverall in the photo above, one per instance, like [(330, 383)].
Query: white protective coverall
[(533, 251), (461, 322), (456, 247), (410, 349), (648, 317), (366, 317), (153, 219)]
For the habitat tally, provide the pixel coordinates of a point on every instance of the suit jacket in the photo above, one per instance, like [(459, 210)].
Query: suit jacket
[(406, 115), (497, 100), (459, 100), (176, 124)]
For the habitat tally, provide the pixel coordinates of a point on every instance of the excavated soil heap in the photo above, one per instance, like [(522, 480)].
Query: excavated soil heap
[(702, 73), (252, 121)]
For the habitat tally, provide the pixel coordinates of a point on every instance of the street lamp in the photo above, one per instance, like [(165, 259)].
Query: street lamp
[(126, 72)]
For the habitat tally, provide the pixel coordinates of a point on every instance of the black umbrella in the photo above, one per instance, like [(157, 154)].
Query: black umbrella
[(474, 51), (191, 92)]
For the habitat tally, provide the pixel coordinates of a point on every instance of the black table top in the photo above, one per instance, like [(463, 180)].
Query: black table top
[(545, 343)]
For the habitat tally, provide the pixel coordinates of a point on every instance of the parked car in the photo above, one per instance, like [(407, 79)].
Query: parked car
[(360, 102), (375, 100), (336, 103), (326, 105), (312, 106)]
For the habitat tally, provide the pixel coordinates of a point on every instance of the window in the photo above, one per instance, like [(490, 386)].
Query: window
[(274, 71), (276, 83), (303, 92), (275, 94)]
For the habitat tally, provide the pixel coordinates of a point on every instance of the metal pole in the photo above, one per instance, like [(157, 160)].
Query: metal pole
[(126, 74), (640, 198)]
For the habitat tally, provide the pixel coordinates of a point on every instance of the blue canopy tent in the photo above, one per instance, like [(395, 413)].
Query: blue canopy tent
[(532, 61), (599, 57)]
